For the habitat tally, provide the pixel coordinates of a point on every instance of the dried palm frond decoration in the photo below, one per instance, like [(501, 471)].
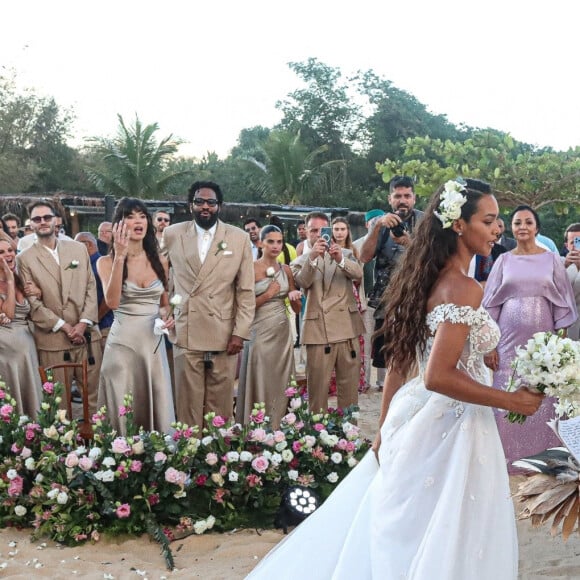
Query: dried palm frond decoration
[(553, 492)]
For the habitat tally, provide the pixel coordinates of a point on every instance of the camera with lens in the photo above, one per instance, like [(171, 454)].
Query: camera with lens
[(401, 228)]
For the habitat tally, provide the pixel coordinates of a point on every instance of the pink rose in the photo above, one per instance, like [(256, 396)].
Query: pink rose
[(299, 425), (257, 435), (211, 458), (296, 446), (172, 475), (25, 453), (123, 511), (341, 444), (5, 412), (160, 457), (260, 464), (258, 417), (71, 460), (153, 499), (289, 419), (319, 427), (295, 403), (223, 470), (14, 448), (48, 388), (120, 445), (279, 436), (15, 487), (29, 435), (290, 392), (253, 480), (218, 421), (85, 463), (136, 466), (122, 410)]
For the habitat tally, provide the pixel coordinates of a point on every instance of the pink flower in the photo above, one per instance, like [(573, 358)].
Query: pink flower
[(201, 479), (136, 466), (341, 444), (153, 499), (71, 460), (295, 403), (258, 416), (14, 448), (15, 487), (257, 435), (80, 537), (5, 412), (211, 458), (86, 463), (95, 536), (48, 388), (319, 427), (350, 446), (260, 464), (253, 480), (120, 445), (218, 421), (279, 436), (123, 511), (299, 425), (172, 475), (2, 394), (160, 457), (289, 419), (290, 392), (296, 446), (25, 453), (223, 470), (122, 410), (29, 435)]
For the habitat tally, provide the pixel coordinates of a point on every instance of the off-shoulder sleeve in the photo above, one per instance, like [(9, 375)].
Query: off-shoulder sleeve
[(565, 312), (455, 314), (493, 298)]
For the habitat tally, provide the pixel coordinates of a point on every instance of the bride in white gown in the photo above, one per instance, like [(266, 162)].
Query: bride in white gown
[(438, 507)]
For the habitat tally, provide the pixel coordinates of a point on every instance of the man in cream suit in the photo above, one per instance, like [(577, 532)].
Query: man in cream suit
[(213, 272), (332, 322), (64, 318)]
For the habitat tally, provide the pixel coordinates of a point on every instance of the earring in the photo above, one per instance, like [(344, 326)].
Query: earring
[(459, 233)]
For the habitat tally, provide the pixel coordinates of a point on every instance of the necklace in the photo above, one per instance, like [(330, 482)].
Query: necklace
[(134, 255)]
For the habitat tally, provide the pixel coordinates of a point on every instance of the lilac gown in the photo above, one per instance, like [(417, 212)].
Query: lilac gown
[(526, 294)]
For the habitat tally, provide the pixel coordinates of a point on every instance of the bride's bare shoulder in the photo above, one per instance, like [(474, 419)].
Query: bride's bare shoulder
[(456, 288)]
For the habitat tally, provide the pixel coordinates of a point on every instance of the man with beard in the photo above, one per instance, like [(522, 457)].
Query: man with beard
[(386, 243), (213, 272), (65, 317)]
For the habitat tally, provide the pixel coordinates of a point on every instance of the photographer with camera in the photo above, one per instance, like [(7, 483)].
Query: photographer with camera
[(386, 243)]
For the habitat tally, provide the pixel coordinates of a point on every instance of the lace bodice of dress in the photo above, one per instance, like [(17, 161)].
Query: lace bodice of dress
[(483, 337)]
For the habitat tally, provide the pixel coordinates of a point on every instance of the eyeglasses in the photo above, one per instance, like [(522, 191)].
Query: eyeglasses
[(162, 219), (200, 201), (42, 218), (251, 229)]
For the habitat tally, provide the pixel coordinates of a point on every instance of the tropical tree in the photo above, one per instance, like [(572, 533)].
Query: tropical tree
[(293, 174), (134, 163)]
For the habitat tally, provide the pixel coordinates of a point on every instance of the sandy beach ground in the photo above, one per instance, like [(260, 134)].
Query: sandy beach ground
[(233, 555)]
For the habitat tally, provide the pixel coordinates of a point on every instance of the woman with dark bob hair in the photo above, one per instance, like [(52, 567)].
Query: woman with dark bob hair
[(438, 505), (134, 278), (527, 291)]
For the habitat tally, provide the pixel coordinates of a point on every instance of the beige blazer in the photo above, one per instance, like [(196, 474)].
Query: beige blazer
[(331, 313), (218, 295), (67, 293)]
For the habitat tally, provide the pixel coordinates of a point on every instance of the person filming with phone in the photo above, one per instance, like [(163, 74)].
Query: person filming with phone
[(386, 243), (572, 265), (332, 322)]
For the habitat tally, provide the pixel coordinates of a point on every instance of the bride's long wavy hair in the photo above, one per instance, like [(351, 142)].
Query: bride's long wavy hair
[(125, 207), (405, 298)]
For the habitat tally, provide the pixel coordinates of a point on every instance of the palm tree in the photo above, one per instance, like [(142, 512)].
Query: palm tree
[(292, 173), (133, 162)]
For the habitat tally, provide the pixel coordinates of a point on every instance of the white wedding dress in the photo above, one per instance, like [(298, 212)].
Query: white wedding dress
[(439, 506)]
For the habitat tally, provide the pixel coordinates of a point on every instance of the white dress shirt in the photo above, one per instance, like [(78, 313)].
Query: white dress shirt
[(204, 240)]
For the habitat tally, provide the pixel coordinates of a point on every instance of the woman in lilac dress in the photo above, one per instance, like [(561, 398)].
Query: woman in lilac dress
[(527, 292)]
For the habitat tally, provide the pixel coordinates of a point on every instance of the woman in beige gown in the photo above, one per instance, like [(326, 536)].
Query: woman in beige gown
[(268, 358), (134, 278), (18, 358)]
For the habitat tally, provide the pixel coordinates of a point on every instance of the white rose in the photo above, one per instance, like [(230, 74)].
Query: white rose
[(52, 493), (11, 473), (351, 462), (332, 477), (62, 498), (245, 456), (270, 272), (20, 510), (336, 457), (95, 453), (30, 464), (287, 455), (293, 475), (200, 527), (207, 440), (108, 461), (210, 522), (108, 476), (23, 420), (232, 456), (233, 476), (176, 300)]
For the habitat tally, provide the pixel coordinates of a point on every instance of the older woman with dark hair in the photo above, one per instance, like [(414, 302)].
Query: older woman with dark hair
[(527, 291), (134, 278)]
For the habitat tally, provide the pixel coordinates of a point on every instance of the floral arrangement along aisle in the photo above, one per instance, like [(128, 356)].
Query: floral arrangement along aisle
[(168, 485)]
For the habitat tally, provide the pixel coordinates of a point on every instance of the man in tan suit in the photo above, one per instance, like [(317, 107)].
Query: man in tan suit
[(65, 316), (332, 322), (213, 272)]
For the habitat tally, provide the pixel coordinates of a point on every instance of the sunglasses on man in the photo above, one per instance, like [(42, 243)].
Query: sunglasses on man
[(42, 218), (199, 201), (162, 219)]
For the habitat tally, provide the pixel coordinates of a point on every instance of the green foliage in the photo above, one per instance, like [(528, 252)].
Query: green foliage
[(134, 162)]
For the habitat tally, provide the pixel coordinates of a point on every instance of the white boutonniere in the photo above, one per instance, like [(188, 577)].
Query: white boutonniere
[(271, 272), (221, 247), (73, 265)]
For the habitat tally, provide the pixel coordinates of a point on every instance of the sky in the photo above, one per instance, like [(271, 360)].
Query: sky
[(205, 70)]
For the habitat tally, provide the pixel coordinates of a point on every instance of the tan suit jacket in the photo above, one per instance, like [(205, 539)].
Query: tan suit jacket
[(331, 313), (69, 294), (218, 295)]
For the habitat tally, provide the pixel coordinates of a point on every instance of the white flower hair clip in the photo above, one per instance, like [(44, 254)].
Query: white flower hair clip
[(451, 202)]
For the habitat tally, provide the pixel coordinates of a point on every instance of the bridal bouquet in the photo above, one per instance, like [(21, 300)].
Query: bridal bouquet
[(550, 364)]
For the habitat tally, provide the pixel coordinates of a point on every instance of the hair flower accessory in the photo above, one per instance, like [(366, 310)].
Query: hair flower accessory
[(451, 202), (74, 264)]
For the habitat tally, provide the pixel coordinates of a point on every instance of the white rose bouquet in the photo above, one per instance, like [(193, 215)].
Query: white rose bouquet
[(550, 364), (159, 325)]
